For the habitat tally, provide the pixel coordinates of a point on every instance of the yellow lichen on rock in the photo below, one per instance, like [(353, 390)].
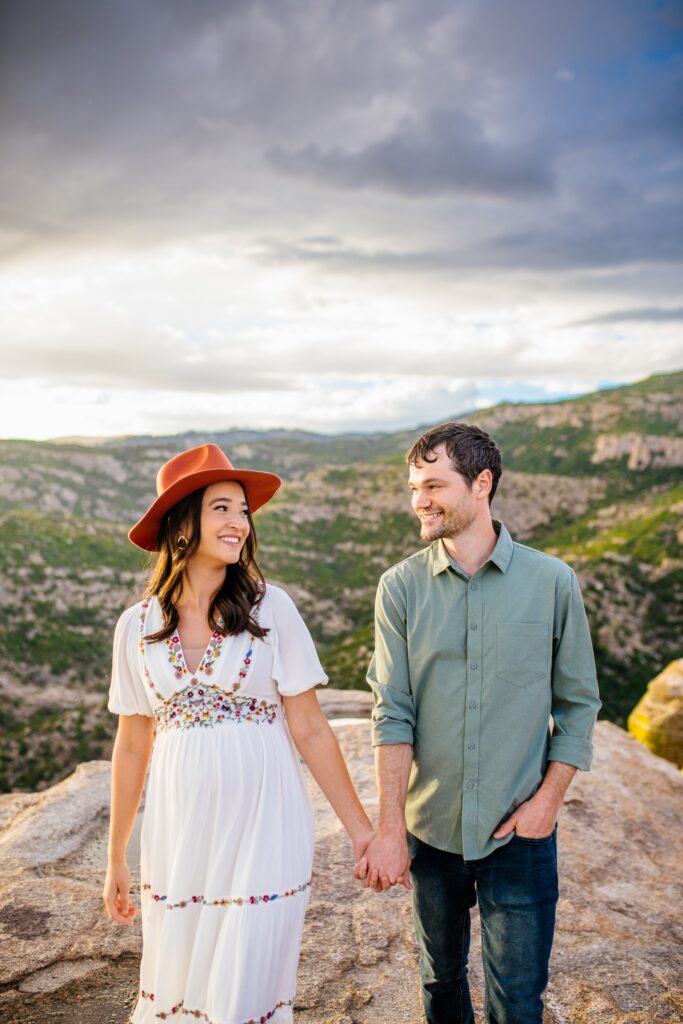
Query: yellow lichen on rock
[(657, 719)]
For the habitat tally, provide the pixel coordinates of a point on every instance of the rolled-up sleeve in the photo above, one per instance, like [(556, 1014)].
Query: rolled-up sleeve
[(575, 699), (393, 715)]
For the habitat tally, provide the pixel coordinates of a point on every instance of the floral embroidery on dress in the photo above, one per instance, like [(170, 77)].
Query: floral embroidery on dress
[(228, 901), (207, 705), (175, 656), (205, 667), (141, 644), (181, 1008), (212, 652), (245, 665)]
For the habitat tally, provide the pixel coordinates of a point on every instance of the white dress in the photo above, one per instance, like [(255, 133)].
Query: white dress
[(227, 831)]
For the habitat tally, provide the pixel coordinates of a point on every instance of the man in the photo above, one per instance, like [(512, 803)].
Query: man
[(479, 640)]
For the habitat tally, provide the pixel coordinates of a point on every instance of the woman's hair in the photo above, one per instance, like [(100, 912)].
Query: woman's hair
[(233, 608)]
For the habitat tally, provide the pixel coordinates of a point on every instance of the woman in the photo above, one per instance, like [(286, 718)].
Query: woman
[(213, 659)]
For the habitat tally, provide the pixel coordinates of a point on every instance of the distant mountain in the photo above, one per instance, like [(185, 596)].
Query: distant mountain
[(597, 480)]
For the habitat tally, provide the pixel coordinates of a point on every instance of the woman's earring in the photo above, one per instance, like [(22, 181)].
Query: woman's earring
[(182, 542)]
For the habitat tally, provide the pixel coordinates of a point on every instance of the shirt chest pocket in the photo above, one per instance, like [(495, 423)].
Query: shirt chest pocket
[(522, 652)]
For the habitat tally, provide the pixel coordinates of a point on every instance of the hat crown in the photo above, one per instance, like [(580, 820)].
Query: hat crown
[(194, 460), (189, 471)]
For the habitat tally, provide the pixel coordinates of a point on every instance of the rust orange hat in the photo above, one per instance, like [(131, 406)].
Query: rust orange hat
[(187, 472)]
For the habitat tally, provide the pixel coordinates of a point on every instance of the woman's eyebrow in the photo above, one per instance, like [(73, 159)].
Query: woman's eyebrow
[(226, 501)]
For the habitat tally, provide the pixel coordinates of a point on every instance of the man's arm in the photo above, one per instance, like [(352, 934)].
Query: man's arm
[(536, 818), (575, 705), (386, 860), (575, 698)]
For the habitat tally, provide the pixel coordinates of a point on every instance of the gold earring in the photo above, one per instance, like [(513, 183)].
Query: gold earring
[(183, 542)]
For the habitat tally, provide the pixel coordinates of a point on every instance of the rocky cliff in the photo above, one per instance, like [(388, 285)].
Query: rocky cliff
[(596, 480), (641, 452), (617, 954)]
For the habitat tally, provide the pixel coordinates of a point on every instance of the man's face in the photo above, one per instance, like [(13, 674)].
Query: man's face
[(442, 499)]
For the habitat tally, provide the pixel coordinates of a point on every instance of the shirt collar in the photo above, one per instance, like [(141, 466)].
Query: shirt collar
[(502, 553), (500, 556)]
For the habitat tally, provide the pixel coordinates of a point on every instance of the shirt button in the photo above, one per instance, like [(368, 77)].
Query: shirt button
[(471, 746), (469, 785), (473, 586), (473, 626), (194, 681), (474, 664), (473, 704)]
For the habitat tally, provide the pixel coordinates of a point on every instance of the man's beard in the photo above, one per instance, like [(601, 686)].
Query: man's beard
[(453, 522)]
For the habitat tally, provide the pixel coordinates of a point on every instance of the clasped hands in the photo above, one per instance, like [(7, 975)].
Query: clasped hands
[(383, 861)]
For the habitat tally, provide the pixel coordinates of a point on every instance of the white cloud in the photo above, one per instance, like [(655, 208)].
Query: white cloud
[(435, 210)]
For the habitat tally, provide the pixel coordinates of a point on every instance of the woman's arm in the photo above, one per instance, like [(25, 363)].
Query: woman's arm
[(318, 746), (132, 750)]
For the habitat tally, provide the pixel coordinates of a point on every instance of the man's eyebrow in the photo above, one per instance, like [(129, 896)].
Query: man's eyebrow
[(430, 480)]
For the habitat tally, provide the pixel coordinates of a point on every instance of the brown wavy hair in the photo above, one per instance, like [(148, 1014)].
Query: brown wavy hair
[(469, 448), (234, 606)]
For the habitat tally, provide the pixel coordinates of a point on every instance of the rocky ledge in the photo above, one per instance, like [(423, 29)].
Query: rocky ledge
[(617, 954)]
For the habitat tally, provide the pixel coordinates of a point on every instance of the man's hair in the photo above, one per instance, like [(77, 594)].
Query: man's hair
[(469, 448)]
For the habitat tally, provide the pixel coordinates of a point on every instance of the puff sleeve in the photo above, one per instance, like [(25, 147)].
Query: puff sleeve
[(127, 693), (296, 666)]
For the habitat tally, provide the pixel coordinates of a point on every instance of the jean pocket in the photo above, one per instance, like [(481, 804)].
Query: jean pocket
[(536, 840), (522, 652)]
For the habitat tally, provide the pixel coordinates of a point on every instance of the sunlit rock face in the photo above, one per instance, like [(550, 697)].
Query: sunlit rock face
[(657, 719), (616, 957), (642, 452)]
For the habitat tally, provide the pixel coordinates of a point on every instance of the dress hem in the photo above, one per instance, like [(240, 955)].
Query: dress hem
[(181, 1010)]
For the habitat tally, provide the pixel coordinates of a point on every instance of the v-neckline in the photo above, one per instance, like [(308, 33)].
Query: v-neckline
[(211, 652), (201, 661)]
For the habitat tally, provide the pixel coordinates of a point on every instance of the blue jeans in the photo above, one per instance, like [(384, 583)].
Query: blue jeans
[(516, 886)]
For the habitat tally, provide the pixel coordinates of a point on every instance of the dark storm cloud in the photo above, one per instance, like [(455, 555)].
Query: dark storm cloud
[(446, 151), (628, 231), (540, 133)]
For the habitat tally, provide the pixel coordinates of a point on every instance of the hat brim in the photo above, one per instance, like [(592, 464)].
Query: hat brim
[(259, 488)]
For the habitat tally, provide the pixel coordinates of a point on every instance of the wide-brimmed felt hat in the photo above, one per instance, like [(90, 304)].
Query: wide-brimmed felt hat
[(187, 472)]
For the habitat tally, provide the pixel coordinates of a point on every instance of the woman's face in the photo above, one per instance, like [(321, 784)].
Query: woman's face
[(224, 522)]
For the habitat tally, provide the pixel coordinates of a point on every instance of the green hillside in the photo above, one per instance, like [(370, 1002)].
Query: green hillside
[(597, 480)]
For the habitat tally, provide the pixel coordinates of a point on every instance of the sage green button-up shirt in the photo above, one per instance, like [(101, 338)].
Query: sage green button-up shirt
[(468, 670)]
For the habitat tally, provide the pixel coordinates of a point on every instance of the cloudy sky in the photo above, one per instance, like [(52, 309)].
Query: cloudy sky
[(340, 214)]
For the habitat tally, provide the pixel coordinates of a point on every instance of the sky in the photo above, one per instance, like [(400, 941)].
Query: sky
[(340, 215)]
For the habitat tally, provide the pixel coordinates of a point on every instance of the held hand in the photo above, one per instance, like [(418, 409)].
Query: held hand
[(534, 819), (115, 894), (386, 862), (360, 845)]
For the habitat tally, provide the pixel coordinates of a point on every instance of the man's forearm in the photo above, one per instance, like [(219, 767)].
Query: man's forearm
[(386, 859), (556, 782), (536, 817), (393, 762)]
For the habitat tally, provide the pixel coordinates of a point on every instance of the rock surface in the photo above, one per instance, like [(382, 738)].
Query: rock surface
[(642, 451), (345, 703), (657, 719), (617, 955)]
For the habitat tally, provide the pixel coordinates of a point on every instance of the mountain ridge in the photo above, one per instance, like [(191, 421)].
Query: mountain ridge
[(342, 516)]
